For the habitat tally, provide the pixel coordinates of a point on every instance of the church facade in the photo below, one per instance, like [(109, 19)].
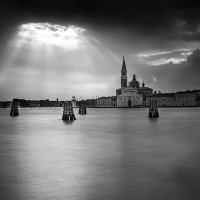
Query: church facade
[(128, 96)]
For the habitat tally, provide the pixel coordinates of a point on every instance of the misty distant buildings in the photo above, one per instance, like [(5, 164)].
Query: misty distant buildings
[(5, 104), (132, 95)]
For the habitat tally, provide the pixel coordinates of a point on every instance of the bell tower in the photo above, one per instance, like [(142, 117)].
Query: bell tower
[(123, 74)]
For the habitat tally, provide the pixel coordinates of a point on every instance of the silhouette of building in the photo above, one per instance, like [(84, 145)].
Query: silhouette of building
[(129, 96)]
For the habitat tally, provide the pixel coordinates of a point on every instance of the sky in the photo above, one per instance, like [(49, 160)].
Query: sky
[(56, 49)]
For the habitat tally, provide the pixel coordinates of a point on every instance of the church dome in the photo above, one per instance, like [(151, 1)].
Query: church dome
[(134, 83)]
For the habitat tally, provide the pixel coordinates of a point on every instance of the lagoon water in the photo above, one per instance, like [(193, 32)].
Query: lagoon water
[(111, 154)]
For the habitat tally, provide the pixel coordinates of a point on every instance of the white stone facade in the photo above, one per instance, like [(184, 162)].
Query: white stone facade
[(128, 97)]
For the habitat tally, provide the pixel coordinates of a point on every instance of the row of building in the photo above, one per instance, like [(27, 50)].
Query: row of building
[(134, 95), (178, 99), (32, 103)]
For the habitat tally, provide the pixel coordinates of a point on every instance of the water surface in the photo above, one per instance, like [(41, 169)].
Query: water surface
[(112, 154)]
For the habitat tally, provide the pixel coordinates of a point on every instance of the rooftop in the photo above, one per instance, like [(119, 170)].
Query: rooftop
[(145, 88), (163, 95)]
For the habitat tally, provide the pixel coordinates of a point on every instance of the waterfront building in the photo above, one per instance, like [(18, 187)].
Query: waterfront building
[(128, 96), (197, 92), (34, 104), (5, 104), (187, 98), (56, 103), (104, 102), (145, 91), (178, 99), (91, 103), (163, 99)]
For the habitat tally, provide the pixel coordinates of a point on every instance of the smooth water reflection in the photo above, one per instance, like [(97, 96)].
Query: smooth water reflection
[(109, 154)]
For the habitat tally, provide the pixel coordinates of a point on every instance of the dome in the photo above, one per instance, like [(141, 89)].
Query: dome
[(134, 83)]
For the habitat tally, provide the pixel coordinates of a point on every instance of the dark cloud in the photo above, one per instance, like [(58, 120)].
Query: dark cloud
[(121, 28), (167, 19)]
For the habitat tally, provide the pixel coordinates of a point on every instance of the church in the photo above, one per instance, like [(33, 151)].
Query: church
[(132, 95)]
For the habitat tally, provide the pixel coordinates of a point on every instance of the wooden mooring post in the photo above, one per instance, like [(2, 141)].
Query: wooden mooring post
[(14, 109), (68, 112), (82, 108), (153, 109)]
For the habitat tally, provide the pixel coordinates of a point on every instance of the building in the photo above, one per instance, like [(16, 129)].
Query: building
[(91, 103), (197, 92), (163, 99), (145, 92), (128, 96), (5, 104), (34, 103), (134, 83), (104, 102), (178, 99), (187, 98)]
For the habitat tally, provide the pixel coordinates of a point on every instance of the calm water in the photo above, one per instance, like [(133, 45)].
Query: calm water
[(112, 154)]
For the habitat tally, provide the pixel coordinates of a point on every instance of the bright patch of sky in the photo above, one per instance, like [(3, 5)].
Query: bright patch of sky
[(48, 61), (49, 34), (163, 61), (164, 57)]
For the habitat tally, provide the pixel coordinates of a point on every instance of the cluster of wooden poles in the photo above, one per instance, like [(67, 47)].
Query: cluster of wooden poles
[(68, 112), (153, 109), (14, 109)]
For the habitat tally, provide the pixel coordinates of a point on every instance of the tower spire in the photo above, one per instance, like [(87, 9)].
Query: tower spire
[(123, 74), (123, 64)]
